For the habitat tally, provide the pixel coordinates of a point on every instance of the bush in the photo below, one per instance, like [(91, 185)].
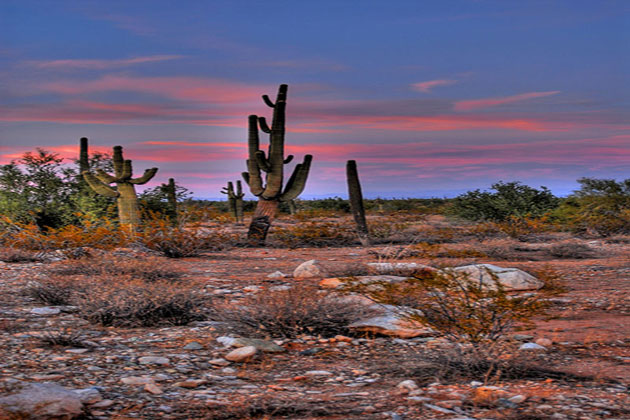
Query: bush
[(315, 234), (289, 313), (600, 206), (511, 199)]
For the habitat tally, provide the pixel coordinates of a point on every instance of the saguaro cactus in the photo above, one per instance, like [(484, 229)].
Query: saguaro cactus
[(235, 199), (271, 193), (84, 160), (356, 202), (125, 191), (171, 198)]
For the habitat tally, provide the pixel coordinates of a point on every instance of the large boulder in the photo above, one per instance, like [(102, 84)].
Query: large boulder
[(512, 279), (393, 321), (39, 401)]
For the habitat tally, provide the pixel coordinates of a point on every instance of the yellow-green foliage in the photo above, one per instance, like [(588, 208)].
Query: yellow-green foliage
[(317, 234)]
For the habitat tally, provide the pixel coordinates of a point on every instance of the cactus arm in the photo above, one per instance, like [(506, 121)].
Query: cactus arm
[(118, 161), (262, 161), (127, 171), (239, 190), (245, 176), (297, 182), (254, 180), (276, 147), (104, 177), (288, 159), (263, 125), (146, 177), (268, 101), (98, 186)]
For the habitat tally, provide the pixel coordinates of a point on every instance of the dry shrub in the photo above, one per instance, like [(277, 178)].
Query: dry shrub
[(572, 250), (103, 235), (315, 234), (150, 269), (121, 301), (289, 313), (64, 338), (179, 242), (18, 255)]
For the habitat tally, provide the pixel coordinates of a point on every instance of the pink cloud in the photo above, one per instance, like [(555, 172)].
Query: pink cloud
[(426, 87), (101, 64), (490, 102)]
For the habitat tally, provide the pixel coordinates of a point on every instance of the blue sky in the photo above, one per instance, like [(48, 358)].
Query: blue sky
[(431, 98)]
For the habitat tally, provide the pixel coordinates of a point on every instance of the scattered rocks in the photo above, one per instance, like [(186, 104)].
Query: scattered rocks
[(41, 401), (241, 354)]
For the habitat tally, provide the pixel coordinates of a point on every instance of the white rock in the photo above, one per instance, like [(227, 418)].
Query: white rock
[(318, 373), (308, 270), (408, 385), (276, 275), (46, 310), (392, 323), (137, 380), (510, 278), (153, 360), (517, 399), (545, 342), (401, 269), (226, 341), (241, 354), (532, 346), (41, 401)]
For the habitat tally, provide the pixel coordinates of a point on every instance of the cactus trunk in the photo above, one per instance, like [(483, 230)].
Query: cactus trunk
[(128, 208), (171, 199), (272, 192), (356, 202)]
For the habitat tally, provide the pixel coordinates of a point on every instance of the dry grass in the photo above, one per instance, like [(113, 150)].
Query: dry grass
[(289, 313), (64, 338), (572, 250)]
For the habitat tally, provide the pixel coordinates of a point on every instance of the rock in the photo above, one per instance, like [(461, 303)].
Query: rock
[(408, 385), (276, 275), (41, 401), (545, 342), (517, 399), (522, 337), (392, 324), (88, 395), (153, 389), (309, 270), (137, 380), (226, 341), (193, 346), (510, 278), (153, 360), (219, 362), (46, 310), (318, 373), (399, 269), (241, 354), (191, 383), (262, 345), (532, 346)]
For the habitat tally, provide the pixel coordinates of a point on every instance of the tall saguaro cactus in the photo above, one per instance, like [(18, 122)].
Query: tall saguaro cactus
[(171, 198), (125, 191), (235, 199), (271, 192), (356, 202), (84, 160)]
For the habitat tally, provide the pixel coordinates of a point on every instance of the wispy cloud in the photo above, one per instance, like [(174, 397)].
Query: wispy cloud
[(490, 102), (101, 64), (426, 87)]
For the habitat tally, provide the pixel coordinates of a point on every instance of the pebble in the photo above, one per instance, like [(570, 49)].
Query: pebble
[(193, 346), (153, 389), (532, 346), (136, 380), (153, 360), (276, 275), (545, 342), (241, 354), (318, 373), (408, 385), (46, 310)]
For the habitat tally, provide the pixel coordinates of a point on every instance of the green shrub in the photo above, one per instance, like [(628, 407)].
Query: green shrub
[(511, 199)]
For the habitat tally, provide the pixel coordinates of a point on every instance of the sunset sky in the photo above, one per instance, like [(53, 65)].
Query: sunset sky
[(432, 98)]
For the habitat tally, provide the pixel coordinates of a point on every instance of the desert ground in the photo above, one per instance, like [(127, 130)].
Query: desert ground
[(579, 370)]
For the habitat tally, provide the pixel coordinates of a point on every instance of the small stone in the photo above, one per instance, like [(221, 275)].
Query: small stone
[(193, 346), (137, 380), (241, 354), (522, 337), (311, 351), (153, 389), (103, 404), (408, 385), (517, 399), (153, 360), (46, 310), (226, 341), (308, 270), (88, 395), (261, 345), (191, 383), (318, 373), (276, 275), (545, 342), (219, 362), (532, 347)]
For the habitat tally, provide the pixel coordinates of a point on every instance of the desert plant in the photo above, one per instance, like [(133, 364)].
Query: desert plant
[(290, 313), (315, 234), (235, 199), (125, 192), (356, 202), (64, 338), (272, 192), (511, 199)]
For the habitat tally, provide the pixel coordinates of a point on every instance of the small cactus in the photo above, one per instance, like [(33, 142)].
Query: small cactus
[(125, 192), (84, 161), (235, 200), (271, 192), (171, 198), (356, 202)]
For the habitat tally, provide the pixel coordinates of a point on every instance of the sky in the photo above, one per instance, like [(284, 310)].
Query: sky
[(431, 98)]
